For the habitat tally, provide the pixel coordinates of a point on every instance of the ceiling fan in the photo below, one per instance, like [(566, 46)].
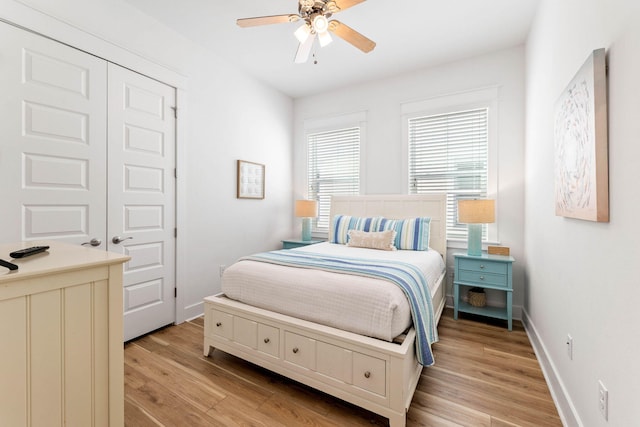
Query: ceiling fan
[(315, 15)]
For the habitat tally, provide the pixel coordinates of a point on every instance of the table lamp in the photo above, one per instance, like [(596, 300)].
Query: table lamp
[(306, 209), (474, 213)]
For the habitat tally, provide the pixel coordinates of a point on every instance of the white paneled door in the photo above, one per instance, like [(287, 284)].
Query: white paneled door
[(141, 211), (87, 156), (53, 108)]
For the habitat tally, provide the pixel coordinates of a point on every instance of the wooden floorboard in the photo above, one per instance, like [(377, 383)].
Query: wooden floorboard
[(484, 375)]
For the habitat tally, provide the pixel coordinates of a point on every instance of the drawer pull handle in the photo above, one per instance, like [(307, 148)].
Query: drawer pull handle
[(482, 266), (367, 374), (219, 324), (295, 349), (481, 277), (266, 340)]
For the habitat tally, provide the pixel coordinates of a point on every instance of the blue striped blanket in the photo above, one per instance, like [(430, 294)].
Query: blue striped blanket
[(408, 277)]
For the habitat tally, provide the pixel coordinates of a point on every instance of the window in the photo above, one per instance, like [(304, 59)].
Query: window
[(449, 152), (333, 167)]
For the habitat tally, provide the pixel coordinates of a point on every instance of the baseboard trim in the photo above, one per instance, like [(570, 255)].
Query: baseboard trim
[(566, 410), (192, 311)]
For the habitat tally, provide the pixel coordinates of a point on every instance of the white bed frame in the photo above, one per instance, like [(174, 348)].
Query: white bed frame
[(377, 375)]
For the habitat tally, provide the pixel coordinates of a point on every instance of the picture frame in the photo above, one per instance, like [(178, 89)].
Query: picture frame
[(251, 177), (581, 145)]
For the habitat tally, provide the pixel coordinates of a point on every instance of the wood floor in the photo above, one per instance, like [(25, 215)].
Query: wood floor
[(483, 376)]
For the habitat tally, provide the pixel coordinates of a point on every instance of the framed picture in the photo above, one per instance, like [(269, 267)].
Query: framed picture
[(581, 147), (250, 180)]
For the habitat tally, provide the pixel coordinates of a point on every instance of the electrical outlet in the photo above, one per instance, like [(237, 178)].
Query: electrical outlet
[(603, 400), (222, 268), (570, 346)]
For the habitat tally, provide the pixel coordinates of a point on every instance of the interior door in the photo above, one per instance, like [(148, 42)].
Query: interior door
[(141, 211), (52, 140), (87, 154)]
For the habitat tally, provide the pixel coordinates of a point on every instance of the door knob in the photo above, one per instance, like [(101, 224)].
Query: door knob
[(93, 242), (117, 239)]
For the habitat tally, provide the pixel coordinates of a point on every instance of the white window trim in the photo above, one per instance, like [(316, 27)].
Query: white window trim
[(329, 123), (447, 103)]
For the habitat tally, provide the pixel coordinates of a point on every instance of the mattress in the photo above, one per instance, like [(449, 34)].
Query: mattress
[(366, 306)]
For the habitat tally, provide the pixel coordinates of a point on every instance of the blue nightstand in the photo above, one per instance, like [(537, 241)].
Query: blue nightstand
[(486, 272), (292, 243)]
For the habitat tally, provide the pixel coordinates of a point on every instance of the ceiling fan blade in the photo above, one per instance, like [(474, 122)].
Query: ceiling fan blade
[(304, 49), (350, 35), (266, 20), (346, 4)]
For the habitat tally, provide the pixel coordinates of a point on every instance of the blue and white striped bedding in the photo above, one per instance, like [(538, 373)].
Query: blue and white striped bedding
[(366, 277)]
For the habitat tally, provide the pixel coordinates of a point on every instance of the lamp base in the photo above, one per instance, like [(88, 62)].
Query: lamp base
[(474, 239), (306, 229)]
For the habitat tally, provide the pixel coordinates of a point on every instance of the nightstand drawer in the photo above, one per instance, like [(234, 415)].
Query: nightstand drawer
[(480, 278), (480, 265)]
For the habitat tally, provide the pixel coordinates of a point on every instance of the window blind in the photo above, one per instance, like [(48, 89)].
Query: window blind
[(333, 168), (449, 153)]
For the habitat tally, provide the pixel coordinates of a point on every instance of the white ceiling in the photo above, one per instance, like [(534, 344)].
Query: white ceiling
[(410, 34)]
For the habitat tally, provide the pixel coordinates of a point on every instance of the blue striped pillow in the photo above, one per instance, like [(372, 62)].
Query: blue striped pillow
[(343, 223), (411, 234)]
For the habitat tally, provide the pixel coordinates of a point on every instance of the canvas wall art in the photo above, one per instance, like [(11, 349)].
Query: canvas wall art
[(581, 147)]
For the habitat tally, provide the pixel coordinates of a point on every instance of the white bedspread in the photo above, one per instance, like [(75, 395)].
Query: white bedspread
[(371, 307)]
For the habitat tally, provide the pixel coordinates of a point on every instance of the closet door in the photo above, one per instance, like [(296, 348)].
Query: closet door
[(141, 212), (87, 156), (52, 140)]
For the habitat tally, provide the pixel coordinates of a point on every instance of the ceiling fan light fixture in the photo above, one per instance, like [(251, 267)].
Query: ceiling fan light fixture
[(324, 38), (314, 16), (303, 32), (320, 24)]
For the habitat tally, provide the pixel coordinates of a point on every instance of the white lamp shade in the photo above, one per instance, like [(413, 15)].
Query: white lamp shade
[(479, 211), (324, 38), (306, 208), (303, 32)]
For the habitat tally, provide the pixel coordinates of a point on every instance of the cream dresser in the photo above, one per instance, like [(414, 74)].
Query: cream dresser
[(61, 339)]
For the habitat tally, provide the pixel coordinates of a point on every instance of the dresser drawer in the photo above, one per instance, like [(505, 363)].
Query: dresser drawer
[(483, 265), (369, 373), (221, 324), (335, 362), (269, 340), (245, 332), (481, 278), (300, 350)]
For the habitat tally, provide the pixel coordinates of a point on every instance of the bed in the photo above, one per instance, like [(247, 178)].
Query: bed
[(377, 373)]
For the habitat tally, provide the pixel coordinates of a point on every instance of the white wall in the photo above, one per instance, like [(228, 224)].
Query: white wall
[(581, 278), (383, 162), (227, 115)]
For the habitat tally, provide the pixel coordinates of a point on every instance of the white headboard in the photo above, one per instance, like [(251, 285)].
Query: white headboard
[(398, 207)]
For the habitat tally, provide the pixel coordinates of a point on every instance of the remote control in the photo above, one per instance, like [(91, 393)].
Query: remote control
[(28, 251), (9, 265)]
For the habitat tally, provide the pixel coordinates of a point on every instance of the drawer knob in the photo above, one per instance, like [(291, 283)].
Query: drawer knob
[(266, 340), (481, 277), (367, 374), (219, 324), (482, 266), (295, 349)]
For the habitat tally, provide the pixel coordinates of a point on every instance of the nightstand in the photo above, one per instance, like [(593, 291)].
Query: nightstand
[(486, 272), (293, 243)]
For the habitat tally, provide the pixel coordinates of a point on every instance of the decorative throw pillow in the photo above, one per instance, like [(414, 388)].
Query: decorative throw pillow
[(372, 239), (411, 234), (343, 223)]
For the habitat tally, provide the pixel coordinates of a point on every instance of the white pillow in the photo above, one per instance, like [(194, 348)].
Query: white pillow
[(372, 239)]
